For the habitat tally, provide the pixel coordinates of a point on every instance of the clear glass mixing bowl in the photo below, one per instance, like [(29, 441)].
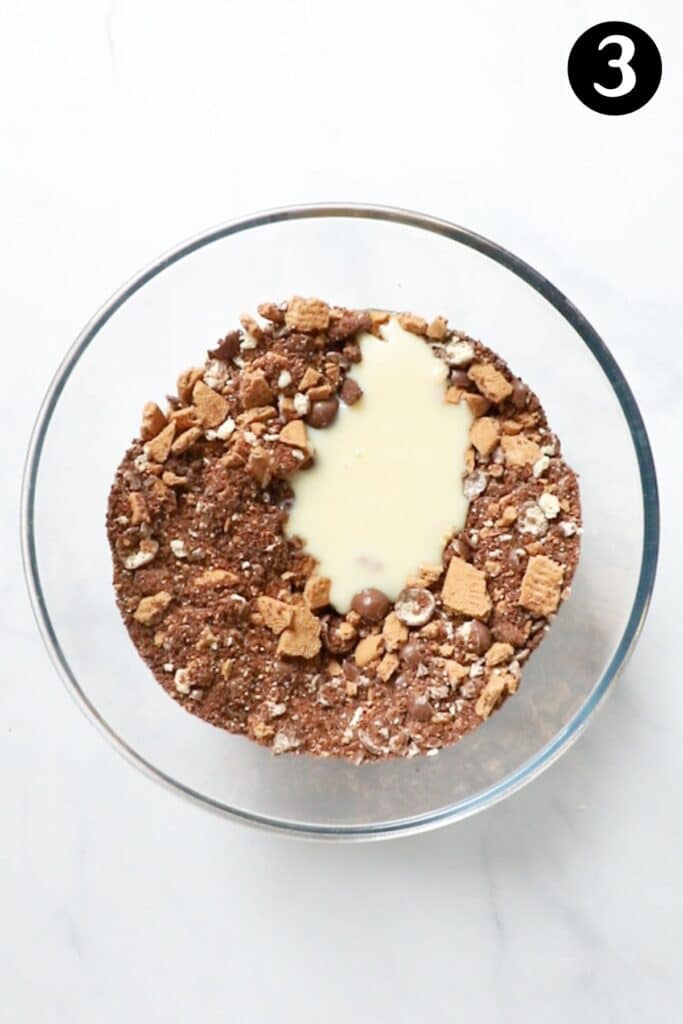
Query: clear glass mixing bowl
[(163, 320)]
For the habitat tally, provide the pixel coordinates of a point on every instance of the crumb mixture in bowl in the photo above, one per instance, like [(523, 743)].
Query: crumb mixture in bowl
[(234, 612)]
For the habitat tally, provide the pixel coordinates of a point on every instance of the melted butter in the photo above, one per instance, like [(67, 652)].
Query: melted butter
[(385, 490)]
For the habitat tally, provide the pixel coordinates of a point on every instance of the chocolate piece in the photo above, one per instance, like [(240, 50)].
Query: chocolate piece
[(477, 636), (372, 605), (339, 636), (228, 347), (459, 379), (351, 351), (411, 654), (519, 394), (323, 413), (420, 709), (351, 391), (462, 548)]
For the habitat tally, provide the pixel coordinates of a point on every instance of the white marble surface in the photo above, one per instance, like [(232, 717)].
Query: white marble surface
[(126, 126)]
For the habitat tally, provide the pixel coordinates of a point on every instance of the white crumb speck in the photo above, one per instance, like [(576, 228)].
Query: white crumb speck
[(550, 505), (302, 404), (540, 465), (226, 428)]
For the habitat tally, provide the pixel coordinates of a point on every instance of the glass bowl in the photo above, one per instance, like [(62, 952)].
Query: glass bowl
[(162, 321)]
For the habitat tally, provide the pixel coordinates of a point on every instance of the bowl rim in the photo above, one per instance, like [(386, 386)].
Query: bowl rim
[(561, 742)]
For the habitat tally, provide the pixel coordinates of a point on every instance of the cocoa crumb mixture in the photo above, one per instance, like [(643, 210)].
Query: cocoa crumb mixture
[(230, 614)]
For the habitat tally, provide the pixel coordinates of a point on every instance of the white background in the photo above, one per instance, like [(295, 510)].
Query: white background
[(126, 126)]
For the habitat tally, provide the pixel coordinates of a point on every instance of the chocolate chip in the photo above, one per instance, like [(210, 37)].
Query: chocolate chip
[(508, 633), (228, 347), (350, 391), (519, 394), (372, 605), (323, 413), (420, 709), (515, 559), (478, 637), (337, 635), (351, 670), (462, 549), (352, 351), (459, 379), (411, 654)]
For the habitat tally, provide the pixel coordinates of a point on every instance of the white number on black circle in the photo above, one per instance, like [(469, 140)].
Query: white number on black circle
[(622, 62)]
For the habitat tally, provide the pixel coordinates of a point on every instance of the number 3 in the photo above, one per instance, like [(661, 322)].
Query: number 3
[(628, 75)]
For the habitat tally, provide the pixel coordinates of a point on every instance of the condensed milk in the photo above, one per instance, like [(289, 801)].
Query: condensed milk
[(385, 491)]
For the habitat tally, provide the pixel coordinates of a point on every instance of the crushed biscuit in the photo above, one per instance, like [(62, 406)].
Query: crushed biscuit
[(301, 638), (186, 382), (412, 323), (211, 407), (159, 448), (438, 329), (307, 315), (484, 434), (455, 671), (185, 440), (492, 694), (139, 513), (387, 667), (498, 653), (519, 450), (310, 378), (153, 421), (317, 592), (541, 585), (294, 433), (464, 590), (185, 418), (254, 390), (368, 649), (150, 610), (490, 382), (277, 615), (394, 632)]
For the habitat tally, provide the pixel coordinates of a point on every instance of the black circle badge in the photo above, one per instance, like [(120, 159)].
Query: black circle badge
[(614, 67)]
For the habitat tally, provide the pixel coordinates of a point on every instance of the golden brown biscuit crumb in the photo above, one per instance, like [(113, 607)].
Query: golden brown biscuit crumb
[(498, 653), (464, 590), (519, 450), (307, 314), (302, 637), (153, 421), (491, 382), (317, 592), (211, 407), (368, 649), (277, 615), (294, 433), (387, 667), (542, 585), (150, 610), (484, 434)]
